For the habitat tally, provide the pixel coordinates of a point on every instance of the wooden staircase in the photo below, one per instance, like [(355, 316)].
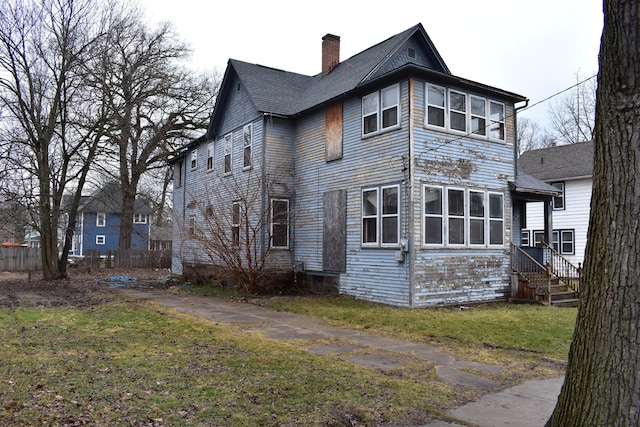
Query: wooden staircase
[(556, 283)]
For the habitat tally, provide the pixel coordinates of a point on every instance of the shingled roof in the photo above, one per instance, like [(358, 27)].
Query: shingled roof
[(108, 199), (287, 94), (560, 162)]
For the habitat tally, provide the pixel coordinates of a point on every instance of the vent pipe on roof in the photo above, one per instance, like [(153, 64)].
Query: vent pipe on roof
[(330, 53)]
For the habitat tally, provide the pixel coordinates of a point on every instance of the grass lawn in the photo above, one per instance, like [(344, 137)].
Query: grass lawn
[(132, 363)]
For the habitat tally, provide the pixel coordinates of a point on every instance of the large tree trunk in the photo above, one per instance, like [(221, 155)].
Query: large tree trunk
[(602, 384)]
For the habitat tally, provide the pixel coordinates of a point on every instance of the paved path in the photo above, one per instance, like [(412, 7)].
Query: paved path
[(526, 405)]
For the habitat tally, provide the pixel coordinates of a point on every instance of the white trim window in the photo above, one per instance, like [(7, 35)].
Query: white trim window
[(280, 223), (524, 238), (457, 111), (101, 219), (478, 115), (381, 110), (194, 159), (558, 202), (460, 112), (567, 242), (497, 120), (235, 224), (247, 139), (139, 218), (435, 106), (228, 150), (457, 217), (381, 216), (210, 151), (100, 239)]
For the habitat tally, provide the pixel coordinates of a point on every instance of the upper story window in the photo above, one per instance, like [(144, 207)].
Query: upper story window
[(210, 152), (381, 110), (381, 216), (228, 149), (101, 219), (459, 112), (558, 202), (179, 168), (139, 219), (247, 138), (194, 159)]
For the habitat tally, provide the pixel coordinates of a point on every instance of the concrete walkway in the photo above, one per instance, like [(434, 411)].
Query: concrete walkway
[(526, 405)]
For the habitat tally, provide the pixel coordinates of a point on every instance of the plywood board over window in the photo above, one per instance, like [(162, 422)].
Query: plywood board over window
[(334, 251), (333, 120)]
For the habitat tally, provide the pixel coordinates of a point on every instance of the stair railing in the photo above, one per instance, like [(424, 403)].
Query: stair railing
[(562, 268)]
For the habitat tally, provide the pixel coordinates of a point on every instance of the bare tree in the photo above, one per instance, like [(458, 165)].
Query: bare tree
[(532, 136), (573, 114), (51, 128), (238, 236), (154, 103), (602, 381)]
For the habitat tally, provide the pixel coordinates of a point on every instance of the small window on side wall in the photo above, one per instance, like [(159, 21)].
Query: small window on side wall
[(247, 138), (381, 110), (558, 202), (280, 223), (194, 159)]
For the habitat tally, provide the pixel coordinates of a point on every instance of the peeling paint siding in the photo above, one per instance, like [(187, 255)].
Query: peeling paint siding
[(456, 276), (372, 274)]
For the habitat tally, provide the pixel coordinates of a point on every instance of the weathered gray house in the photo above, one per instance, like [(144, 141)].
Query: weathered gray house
[(384, 173)]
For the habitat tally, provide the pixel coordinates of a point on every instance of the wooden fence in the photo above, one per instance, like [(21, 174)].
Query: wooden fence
[(20, 259), (28, 259)]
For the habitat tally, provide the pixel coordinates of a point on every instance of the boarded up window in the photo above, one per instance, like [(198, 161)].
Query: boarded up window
[(334, 132), (334, 244)]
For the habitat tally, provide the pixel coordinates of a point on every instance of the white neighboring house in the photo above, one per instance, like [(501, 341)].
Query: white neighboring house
[(570, 169)]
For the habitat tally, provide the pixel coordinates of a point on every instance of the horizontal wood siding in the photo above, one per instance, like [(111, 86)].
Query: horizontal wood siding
[(575, 216), (371, 274), (443, 275)]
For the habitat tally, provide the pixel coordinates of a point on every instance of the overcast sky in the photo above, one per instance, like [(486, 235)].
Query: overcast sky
[(533, 48)]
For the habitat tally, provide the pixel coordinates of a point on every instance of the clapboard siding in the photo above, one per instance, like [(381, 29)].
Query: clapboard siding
[(575, 216), (371, 274)]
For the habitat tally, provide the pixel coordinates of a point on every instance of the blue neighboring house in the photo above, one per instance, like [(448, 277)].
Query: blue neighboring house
[(98, 223), (384, 174)]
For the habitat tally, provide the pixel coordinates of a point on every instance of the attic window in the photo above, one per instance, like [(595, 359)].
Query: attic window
[(411, 52)]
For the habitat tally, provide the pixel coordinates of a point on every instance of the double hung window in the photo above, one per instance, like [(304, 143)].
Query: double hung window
[(235, 224), (101, 219), (466, 218), (194, 159), (228, 149), (558, 202), (456, 111), (381, 110), (210, 152), (280, 223), (247, 138), (381, 216)]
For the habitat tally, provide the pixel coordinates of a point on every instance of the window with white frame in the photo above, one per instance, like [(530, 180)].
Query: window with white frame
[(179, 168), (461, 112), (235, 224), (210, 151), (457, 111), (462, 217), (101, 219), (381, 110), (280, 223), (435, 106), (524, 238), (100, 239), (139, 218), (228, 149), (567, 242), (247, 138), (478, 115), (381, 216), (497, 118), (558, 202), (194, 159)]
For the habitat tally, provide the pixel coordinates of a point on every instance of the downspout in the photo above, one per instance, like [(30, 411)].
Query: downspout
[(410, 243), (516, 144)]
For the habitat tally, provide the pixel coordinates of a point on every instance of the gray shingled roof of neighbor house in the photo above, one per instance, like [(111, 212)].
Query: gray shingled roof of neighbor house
[(560, 162), (108, 199)]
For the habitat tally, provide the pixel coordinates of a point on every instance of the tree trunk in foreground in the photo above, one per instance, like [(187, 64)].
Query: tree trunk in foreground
[(602, 384)]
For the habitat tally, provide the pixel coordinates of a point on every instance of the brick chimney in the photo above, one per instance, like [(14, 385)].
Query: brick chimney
[(330, 53)]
